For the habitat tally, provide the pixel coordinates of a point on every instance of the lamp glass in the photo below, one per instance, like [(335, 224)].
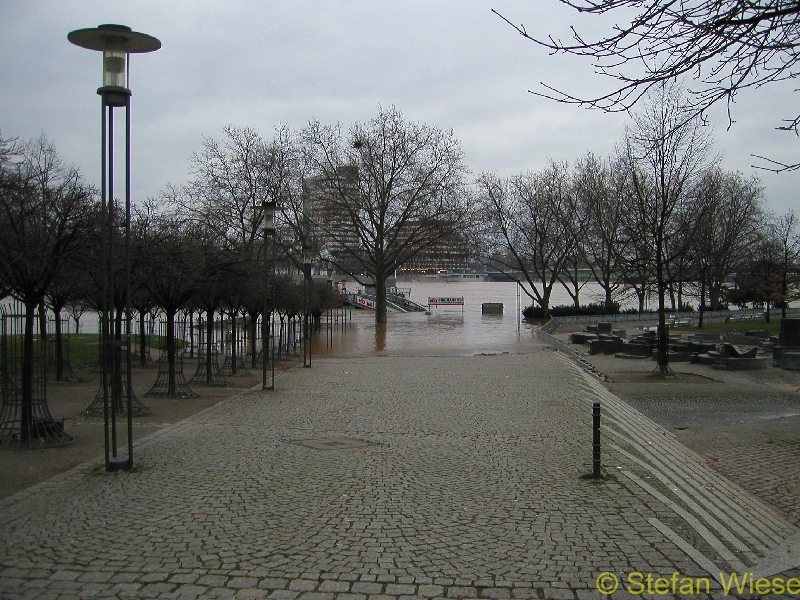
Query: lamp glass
[(115, 54), (306, 255)]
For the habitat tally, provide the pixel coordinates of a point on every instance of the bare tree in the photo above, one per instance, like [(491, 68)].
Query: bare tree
[(173, 271), (734, 206), (666, 153), (724, 46), (599, 188), (44, 208), (786, 237), (391, 188), (528, 229)]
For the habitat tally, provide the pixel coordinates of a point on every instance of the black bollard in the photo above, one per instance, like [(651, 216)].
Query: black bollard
[(596, 476)]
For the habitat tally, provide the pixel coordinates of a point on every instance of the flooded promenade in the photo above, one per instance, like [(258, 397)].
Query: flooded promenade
[(385, 473)]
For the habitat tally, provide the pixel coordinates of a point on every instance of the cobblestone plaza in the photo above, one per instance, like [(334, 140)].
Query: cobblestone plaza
[(382, 477)]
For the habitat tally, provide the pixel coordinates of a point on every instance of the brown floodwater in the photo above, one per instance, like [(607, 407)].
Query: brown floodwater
[(446, 330)]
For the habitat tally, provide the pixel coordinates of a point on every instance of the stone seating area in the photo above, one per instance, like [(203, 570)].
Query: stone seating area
[(738, 350), (733, 357), (779, 351)]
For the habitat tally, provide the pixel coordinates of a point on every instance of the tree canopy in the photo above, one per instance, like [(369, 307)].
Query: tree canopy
[(723, 46)]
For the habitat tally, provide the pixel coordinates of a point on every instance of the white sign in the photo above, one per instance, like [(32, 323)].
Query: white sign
[(365, 302), (446, 301)]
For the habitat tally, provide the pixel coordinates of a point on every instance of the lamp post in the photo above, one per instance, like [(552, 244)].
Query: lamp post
[(267, 347), (306, 293), (117, 43), (329, 307)]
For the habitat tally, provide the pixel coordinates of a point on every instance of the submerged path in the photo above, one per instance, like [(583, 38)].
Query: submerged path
[(391, 476)]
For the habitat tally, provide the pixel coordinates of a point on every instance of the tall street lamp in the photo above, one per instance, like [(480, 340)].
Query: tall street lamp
[(306, 293), (117, 43), (267, 345)]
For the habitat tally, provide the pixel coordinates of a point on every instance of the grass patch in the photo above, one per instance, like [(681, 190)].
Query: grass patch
[(84, 348), (661, 376)]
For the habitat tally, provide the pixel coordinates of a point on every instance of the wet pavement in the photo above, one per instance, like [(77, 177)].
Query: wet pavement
[(380, 477)]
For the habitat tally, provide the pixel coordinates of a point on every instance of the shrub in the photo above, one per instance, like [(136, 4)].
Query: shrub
[(535, 312)]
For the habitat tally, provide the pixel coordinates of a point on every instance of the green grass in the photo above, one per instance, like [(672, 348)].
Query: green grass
[(662, 376), (84, 347)]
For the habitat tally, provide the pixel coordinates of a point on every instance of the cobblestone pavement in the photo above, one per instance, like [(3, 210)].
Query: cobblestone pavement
[(471, 486)]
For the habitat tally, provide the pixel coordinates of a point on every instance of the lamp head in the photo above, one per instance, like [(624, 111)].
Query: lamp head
[(116, 42)]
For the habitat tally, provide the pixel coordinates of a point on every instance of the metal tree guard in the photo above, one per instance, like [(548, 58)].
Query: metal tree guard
[(25, 419), (170, 381), (116, 42), (306, 300), (267, 336)]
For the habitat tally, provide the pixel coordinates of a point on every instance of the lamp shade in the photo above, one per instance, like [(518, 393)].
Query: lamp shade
[(115, 42)]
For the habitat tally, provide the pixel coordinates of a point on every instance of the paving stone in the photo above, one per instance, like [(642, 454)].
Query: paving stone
[(303, 585), (400, 589), (334, 586), (315, 596), (471, 487), (493, 592), (283, 595), (462, 592), (366, 587), (430, 590), (251, 594)]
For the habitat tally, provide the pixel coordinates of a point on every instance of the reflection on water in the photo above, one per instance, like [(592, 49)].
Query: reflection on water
[(380, 337), (446, 330)]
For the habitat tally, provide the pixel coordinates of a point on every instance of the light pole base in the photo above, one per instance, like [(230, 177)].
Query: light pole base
[(118, 463)]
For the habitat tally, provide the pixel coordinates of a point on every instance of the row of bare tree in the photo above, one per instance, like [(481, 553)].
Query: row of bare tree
[(658, 217)]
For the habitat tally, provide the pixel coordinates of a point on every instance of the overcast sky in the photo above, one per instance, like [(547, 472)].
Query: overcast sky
[(449, 63)]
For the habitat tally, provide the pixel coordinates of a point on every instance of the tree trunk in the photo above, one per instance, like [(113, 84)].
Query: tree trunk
[(173, 386), (253, 336), (59, 345), (142, 341), (26, 410), (609, 302), (702, 302), (209, 337), (663, 330), (380, 299), (234, 337)]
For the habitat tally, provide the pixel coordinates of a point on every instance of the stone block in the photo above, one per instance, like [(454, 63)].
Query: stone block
[(790, 332), (604, 327), (635, 349), (790, 361)]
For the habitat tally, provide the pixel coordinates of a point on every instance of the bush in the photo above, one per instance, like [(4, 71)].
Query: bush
[(535, 312)]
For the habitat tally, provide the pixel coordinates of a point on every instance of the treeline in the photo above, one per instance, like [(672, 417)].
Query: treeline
[(199, 247), (659, 218)]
